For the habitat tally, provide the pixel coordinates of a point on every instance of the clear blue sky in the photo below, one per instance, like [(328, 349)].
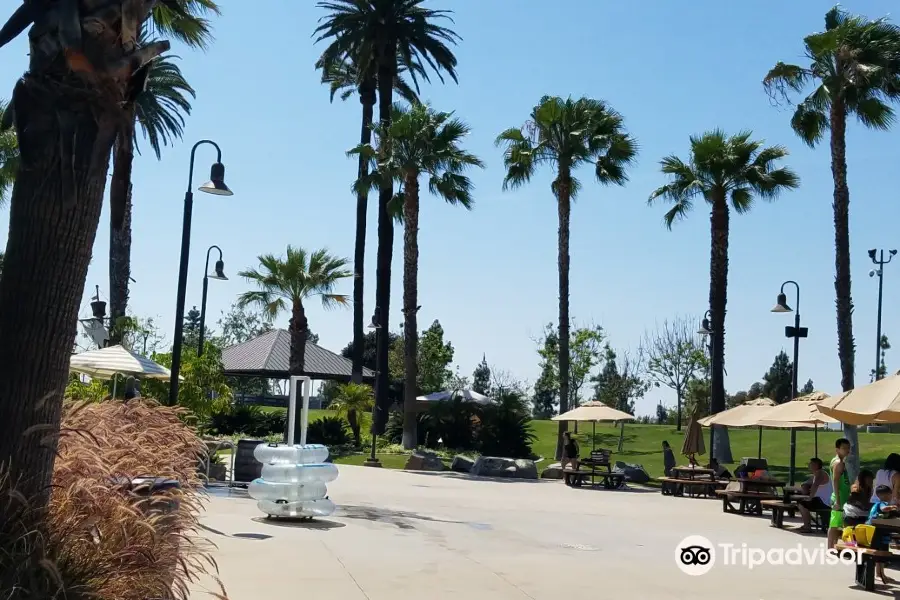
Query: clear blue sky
[(673, 69)]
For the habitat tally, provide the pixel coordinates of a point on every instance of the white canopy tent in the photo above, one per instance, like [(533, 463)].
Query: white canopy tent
[(465, 395)]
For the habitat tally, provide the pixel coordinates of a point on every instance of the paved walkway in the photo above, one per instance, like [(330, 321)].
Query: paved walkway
[(404, 536)]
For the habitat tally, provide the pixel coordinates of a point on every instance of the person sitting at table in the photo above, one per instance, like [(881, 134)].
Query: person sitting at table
[(857, 506), (889, 475), (720, 471), (819, 492), (882, 508), (668, 458)]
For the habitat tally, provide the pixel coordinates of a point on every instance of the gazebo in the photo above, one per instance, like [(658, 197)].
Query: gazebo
[(268, 356)]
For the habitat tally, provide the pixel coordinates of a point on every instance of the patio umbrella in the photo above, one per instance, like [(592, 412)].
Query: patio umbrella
[(466, 395), (742, 415), (878, 401), (593, 412), (802, 412), (693, 440), (108, 362)]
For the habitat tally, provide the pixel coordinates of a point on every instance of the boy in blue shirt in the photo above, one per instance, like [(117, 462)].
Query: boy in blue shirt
[(880, 509)]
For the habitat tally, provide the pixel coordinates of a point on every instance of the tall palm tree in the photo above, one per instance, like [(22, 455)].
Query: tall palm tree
[(84, 63), (373, 33), (723, 170), (9, 156), (566, 134), (343, 77), (855, 66), (421, 142), (285, 283), (159, 108), (354, 401)]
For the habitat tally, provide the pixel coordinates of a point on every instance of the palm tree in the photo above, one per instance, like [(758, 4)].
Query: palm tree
[(567, 134), (372, 34), (286, 283), (67, 113), (344, 78), (722, 169), (9, 156), (855, 65), (421, 141), (159, 109), (354, 401)]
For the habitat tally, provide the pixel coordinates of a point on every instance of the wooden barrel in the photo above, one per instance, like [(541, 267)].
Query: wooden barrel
[(246, 467)]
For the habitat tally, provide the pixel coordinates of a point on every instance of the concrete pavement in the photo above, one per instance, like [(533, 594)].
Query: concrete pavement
[(400, 535)]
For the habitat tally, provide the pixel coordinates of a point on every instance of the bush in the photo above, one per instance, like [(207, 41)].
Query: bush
[(245, 419), (330, 431), (96, 539)]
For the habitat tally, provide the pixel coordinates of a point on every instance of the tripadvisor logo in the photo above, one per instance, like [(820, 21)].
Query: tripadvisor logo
[(696, 555)]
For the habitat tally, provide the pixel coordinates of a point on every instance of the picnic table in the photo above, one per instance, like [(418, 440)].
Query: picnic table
[(749, 495), (696, 480), (599, 468), (870, 557)]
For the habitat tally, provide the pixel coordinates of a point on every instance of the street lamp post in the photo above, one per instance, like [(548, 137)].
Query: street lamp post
[(707, 332), (216, 185), (880, 262), (796, 332), (373, 461), (218, 274)]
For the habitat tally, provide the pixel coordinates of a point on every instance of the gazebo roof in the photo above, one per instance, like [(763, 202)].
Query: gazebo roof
[(269, 356)]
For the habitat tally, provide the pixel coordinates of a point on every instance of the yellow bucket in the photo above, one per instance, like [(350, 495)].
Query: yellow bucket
[(864, 534)]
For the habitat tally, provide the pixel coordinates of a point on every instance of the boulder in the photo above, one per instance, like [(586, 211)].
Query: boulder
[(461, 464), (492, 466), (634, 473), (424, 461), (553, 471)]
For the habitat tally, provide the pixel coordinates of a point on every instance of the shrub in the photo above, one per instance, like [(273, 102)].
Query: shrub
[(330, 431), (505, 429), (98, 539), (245, 419)]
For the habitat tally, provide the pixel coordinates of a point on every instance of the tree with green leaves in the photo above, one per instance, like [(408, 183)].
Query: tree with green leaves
[(481, 377), (204, 387), (729, 173), (619, 386), (674, 355), (565, 134), (420, 142), (372, 34), (191, 329), (346, 76), (808, 388), (884, 344), (9, 157), (778, 380), (241, 324), (854, 70), (285, 283), (434, 359), (354, 402)]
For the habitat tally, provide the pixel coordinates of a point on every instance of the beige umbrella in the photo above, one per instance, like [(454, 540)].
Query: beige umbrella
[(878, 401), (693, 441), (747, 414), (799, 413), (593, 412)]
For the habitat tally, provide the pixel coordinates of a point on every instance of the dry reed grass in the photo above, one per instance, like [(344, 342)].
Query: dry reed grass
[(101, 538)]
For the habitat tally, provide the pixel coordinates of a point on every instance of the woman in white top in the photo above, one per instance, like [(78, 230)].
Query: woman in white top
[(889, 475), (819, 494)]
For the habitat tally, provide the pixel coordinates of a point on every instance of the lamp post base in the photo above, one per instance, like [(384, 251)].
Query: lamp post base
[(372, 462)]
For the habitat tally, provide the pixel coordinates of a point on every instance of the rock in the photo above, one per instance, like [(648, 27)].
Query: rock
[(553, 471), (492, 466), (634, 473), (461, 464), (424, 461)]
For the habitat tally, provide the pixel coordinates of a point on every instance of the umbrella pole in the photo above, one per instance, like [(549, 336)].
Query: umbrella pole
[(793, 453), (816, 434), (621, 436), (593, 435), (115, 381), (759, 451)]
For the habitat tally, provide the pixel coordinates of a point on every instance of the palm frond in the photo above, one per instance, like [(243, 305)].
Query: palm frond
[(185, 20), (162, 107)]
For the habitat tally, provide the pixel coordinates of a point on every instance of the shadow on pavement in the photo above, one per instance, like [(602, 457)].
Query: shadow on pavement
[(316, 524), (397, 518)]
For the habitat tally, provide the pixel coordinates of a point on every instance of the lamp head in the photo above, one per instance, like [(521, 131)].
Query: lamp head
[(705, 328), (892, 252), (781, 305), (872, 253), (219, 271), (216, 184)]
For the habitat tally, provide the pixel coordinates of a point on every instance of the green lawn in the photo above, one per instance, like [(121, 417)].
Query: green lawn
[(643, 445), (314, 413)]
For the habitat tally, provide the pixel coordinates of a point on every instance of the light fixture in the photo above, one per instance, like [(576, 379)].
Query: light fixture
[(705, 328), (892, 252), (872, 253), (219, 271), (781, 305), (216, 184)]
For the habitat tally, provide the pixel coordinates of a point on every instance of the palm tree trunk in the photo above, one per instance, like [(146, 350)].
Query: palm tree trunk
[(120, 232), (367, 99), (718, 296), (410, 302), (846, 345), (353, 421), (387, 69), (65, 133), (564, 207), (299, 330)]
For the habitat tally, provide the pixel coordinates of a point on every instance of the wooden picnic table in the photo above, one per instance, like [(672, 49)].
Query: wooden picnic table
[(697, 481), (769, 486), (691, 473), (865, 570)]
